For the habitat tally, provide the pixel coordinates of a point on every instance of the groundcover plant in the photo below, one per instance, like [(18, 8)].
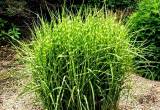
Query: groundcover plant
[(79, 63)]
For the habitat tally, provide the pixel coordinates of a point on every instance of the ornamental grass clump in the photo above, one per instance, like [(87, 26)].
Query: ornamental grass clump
[(79, 64)]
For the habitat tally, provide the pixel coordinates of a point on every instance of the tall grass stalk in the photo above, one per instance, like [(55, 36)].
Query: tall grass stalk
[(79, 63)]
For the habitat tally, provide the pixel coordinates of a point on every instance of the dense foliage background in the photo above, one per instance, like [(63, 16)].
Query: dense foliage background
[(27, 11)]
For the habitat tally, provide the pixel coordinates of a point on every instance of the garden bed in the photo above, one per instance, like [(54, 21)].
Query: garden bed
[(144, 93)]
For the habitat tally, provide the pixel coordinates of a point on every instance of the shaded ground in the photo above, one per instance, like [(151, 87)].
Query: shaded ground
[(12, 83), (144, 93)]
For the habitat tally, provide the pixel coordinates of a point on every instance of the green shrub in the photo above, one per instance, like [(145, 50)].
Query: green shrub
[(8, 32), (79, 64), (145, 23)]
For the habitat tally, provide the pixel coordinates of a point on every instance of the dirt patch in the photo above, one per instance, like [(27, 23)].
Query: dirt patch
[(7, 59), (10, 99), (144, 95), (12, 82)]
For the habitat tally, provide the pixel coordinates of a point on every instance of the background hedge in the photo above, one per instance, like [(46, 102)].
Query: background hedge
[(145, 23)]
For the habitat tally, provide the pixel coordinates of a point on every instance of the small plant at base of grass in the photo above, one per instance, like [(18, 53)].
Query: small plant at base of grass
[(8, 34), (79, 64)]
